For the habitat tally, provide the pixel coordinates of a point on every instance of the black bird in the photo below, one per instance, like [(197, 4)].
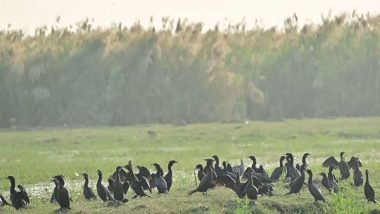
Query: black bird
[(292, 173), (239, 187), (313, 189), (169, 176), (24, 192), (18, 199), (119, 187), (103, 192), (144, 176), (276, 174), (224, 163), (297, 184), (325, 181), (218, 169), (261, 170), (358, 177), (207, 180), (368, 190), (343, 166), (253, 166), (63, 197), (352, 162), (332, 181), (53, 197), (3, 202), (135, 183), (159, 180), (250, 189), (87, 191), (304, 157), (201, 173)]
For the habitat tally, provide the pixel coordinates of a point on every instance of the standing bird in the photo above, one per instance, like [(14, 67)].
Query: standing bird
[(253, 166), (343, 166), (135, 184), (218, 169), (53, 198), (358, 177), (292, 173), (325, 181), (304, 157), (201, 173), (159, 180), (24, 192), (169, 176), (87, 191), (239, 187), (276, 174), (18, 199), (207, 180), (250, 189), (118, 187), (368, 190), (63, 197), (313, 189), (332, 181), (297, 184), (103, 192)]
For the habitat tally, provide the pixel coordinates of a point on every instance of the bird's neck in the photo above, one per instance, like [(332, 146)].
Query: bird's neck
[(100, 176), (85, 182), (13, 185), (366, 178), (310, 179)]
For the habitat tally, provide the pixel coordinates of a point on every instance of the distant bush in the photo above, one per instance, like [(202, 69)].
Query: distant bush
[(123, 76)]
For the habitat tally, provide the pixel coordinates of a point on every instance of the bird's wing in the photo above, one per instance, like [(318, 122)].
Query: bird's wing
[(24, 193), (225, 180), (331, 161)]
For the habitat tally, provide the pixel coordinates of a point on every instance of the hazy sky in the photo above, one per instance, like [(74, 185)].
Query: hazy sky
[(29, 14)]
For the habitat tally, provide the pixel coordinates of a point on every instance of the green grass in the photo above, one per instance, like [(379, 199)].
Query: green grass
[(33, 156)]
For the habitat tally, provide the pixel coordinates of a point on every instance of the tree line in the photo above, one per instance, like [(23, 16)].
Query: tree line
[(182, 73)]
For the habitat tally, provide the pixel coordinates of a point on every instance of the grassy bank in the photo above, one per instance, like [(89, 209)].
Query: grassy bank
[(33, 156)]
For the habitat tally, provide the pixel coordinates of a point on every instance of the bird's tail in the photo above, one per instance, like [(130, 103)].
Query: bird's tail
[(192, 192)]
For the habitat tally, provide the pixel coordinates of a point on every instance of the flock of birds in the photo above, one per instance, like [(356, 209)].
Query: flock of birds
[(252, 181)]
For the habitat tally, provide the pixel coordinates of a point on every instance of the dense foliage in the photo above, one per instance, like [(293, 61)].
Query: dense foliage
[(120, 76)]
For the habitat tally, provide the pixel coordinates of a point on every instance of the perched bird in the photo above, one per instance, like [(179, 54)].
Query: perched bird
[(3, 202), (297, 184), (103, 192), (63, 197), (313, 189), (277, 172), (87, 191), (358, 177), (368, 190), (169, 176), (159, 180), (206, 182), (18, 199)]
